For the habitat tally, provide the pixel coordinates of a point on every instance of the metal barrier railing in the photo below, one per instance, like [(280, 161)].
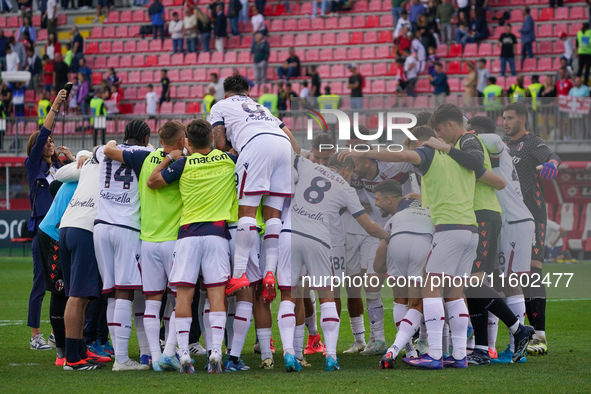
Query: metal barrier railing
[(549, 120)]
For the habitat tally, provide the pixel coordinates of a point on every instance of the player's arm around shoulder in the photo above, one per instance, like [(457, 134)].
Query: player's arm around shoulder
[(163, 174), (113, 152), (379, 263), (492, 179), (71, 172), (294, 143), (219, 137)]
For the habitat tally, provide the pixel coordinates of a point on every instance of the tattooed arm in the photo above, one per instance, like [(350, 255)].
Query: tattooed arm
[(219, 138)]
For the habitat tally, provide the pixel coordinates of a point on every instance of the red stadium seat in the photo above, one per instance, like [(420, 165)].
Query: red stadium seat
[(455, 50), (357, 37), (117, 47), (193, 108), (190, 59), (372, 22), (139, 61), (368, 52), (276, 25), (326, 54), (100, 62), (318, 24), (338, 71), (375, 6), (143, 46), (186, 75), (529, 65), (304, 24), (200, 75), (124, 16), (130, 46), (329, 39), (204, 58), (164, 60), (291, 25), (380, 69), (371, 37), (342, 38), (384, 52), (113, 61), (471, 50), (166, 108), (354, 53), (454, 84), (244, 57), (560, 28), (148, 76), (485, 49), (155, 46), (109, 32), (547, 14), (442, 50), (97, 78), (97, 32), (331, 23), (346, 22), (387, 20), (378, 86), (313, 55), (134, 77), (105, 47), (423, 86), (386, 37), (577, 12), (454, 67), (217, 58), (393, 69), (151, 60), (516, 16), (140, 16), (92, 48), (122, 31), (180, 108), (545, 48), (315, 38), (301, 40), (545, 31)]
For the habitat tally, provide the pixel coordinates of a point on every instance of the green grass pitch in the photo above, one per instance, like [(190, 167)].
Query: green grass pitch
[(564, 369)]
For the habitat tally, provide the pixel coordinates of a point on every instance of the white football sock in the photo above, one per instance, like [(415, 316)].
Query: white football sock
[(207, 326), (458, 324), (311, 323), (111, 319), (242, 321), (246, 235), (271, 244), (218, 322), (122, 319), (493, 330), (399, 313), (375, 313), (407, 328), (139, 306), (330, 322), (286, 322), (517, 305), (445, 339), (231, 313), (298, 340), (264, 335), (168, 308), (423, 331), (152, 327), (358, 328), (183, 326), (171, 342), (434, 315)]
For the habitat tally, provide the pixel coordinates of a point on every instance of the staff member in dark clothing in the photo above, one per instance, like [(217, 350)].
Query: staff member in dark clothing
[(42, 162)]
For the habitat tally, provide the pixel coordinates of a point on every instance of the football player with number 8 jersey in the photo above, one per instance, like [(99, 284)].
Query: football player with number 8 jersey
[(117, 239)]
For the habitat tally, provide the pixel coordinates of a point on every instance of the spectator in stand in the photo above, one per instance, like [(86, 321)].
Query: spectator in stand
[(3, 42), (443, 16), (431, 60), (84, 69), (260, 54), (528, 35), (68, 57), (336, 6), (6, 97), (554, 3), (422, 23), (418, 51), (570, 73), (440, 86), (471, 82), (26, 7), (290, 67), (478, 29), (517, 91), (112, 103), (427, 38), (190, 26), (235, 73), (461, 32), (584, 51), (208, 102), (77, 48), (569, 48), (564, 84), (20, 50), (579, 90), (13, 62), (165, 82), (508, 44), (258, 22), (73, 100), (416, 9), (61, 71), (28, 27), (101, 5), (175, 29), (304, 91), (48, 71), (217, 84), (270, 101), (234, 7), (549, 89), (463, 12), (113, 79), (220, 28), (397, 7), (18, 98), (53, 46), (151, 101), (483, 75), (244, 13), (411, 71), (399, 77), (35, 67), (204, 29), (402, 41), (156, 12), (402, 22), (315, 81), (356, 86), (259, 5)]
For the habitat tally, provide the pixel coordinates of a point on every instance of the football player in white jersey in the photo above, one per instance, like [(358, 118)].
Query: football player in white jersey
[(117, 240), (263, 169), (517, 231), (320, 195), (411, 230), (361, 249)]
